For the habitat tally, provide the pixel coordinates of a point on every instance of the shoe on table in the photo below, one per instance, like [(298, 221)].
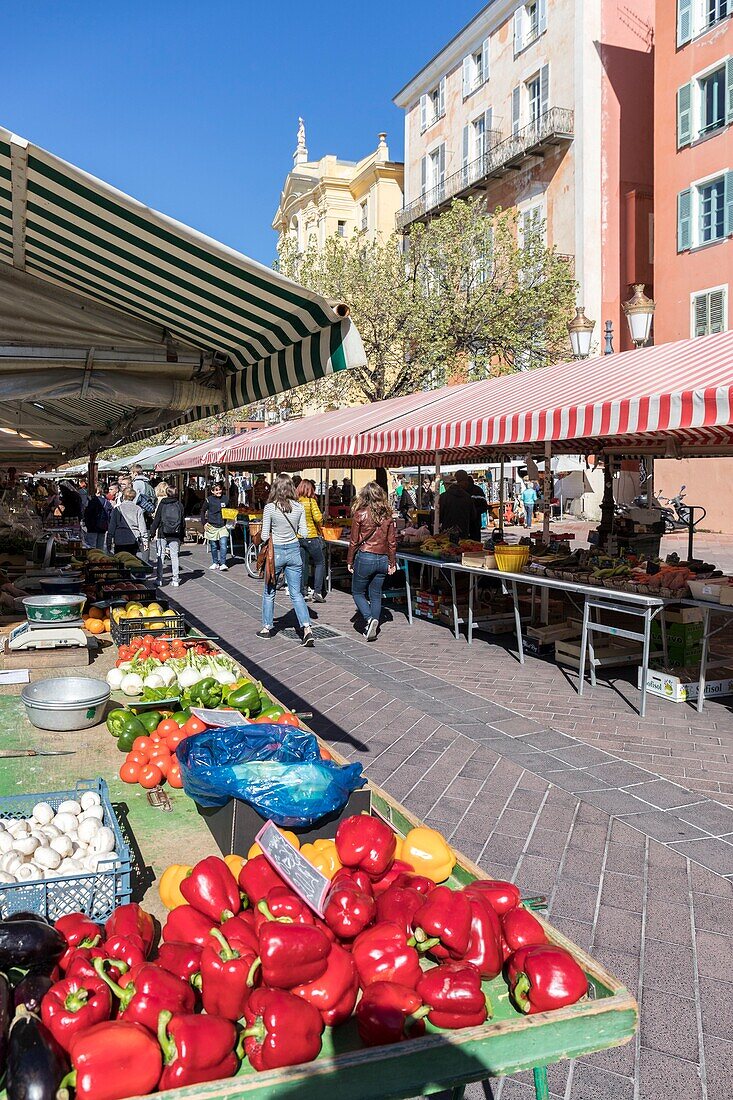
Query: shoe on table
[(371, 631), (307, 639), (213, 566), (265, 632), (223, 568)]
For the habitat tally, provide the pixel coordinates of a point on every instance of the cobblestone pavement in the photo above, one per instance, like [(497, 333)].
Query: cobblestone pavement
[(637, 897)]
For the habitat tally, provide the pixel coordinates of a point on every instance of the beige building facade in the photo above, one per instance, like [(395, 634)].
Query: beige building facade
[(327, 197), (545, 106)]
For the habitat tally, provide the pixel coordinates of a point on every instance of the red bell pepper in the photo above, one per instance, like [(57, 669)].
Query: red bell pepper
[(292, 954), (353, 876), (82, 964), (485, 947), (349, 910), (196, 1049), (227, 978), (390, 1013), (398, 867), (453, 993), (399, 904), (421, 883), (281, 902), (79, 931), (72, 1006), (212, 889), (520, 929), (132, 920), (543, 977), (367, 843), (501, 896), (382, 954), (113, 1060), (282, 1030), (129, 949), (185, 924), (146, 991), (240, 932), (257, 878), (181, 959), (442, 924), (334, 993)]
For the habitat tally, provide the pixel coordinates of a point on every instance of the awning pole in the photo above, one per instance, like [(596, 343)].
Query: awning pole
[(501, 495), (272, 470), (419, 485), (92, 474), (436, 520), (650, 484), (328, 486), (548, 493)]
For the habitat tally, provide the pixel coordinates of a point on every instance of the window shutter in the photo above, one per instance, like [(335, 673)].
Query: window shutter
[(684, 115), (466, 76), (441, 97), (542, 13), (544, 89), (518, 29), (485, 60), (729, 90), (728, 201), (465, 146), (423, 175), (423, 112), (488, 123), (716, 300), (684, 220), (700, 318), (684, 21), (441, 164), (515, 109)]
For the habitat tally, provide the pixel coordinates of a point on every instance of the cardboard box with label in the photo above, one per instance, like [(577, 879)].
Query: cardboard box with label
[(681, 685)]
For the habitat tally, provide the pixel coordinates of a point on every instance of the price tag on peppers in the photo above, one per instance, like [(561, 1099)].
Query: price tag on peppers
[(297, 872)]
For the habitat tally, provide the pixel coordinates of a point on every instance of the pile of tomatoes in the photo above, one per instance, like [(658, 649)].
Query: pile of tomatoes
[(148, 645), (152, 760)]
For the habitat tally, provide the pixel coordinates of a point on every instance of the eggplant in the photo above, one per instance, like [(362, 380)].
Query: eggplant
[(6, 1014), (25, 914), (30, 945), (31, 991), (36, 1063)]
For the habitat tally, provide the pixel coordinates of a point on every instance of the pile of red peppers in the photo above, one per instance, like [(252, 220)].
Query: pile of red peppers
[(246, 969)]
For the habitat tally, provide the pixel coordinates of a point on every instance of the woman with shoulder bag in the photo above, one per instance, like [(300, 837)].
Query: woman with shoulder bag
[(168, 529), (283, 524), (127, 526), (372, 553), (311, 547)]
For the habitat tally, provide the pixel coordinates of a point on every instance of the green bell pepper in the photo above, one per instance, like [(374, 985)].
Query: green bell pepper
[(272, 712), (126, 740), (151, 719), (123, 721), (181, 717), (245, 697), (207, 693)]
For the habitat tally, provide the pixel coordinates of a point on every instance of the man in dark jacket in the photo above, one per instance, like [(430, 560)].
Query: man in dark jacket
[(168, 529), (476, 494), (456, 508)]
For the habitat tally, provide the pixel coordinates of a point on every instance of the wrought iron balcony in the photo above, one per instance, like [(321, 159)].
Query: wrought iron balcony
[(503, 155)]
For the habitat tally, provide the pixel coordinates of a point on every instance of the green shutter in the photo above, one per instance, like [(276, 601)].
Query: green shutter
[(684, 220), (684, 21), (729, 90), (684, 115), (728, 201), (716, 300), (701, 315)]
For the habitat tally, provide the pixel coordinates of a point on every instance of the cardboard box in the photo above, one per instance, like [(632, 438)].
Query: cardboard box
[(681, 685), (679, 633), (681, 615)]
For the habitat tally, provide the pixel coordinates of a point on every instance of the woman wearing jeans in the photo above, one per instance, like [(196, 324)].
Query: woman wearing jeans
[(311, 547), (215, 528), (372, 553), (168, 530), (283, 521)]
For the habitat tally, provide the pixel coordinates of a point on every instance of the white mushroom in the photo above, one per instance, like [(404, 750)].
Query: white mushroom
[(6, 843), (89, 799), (104, 841), (88, 830), (95, 812), (28, 873), (65, 822), (5, 877), (43, 813), (10, 862), (103, 859), (71, 867), (63, 845), (70, 806), (47, 859), (26, 845), (19, 828), (50, 831)]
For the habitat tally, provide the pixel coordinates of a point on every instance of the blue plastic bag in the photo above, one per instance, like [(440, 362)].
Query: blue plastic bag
[(276, 769)]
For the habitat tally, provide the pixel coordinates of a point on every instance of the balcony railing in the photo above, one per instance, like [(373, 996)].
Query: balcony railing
[(552, 128)]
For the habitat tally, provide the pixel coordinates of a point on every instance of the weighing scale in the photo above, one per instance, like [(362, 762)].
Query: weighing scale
[(42, 636)]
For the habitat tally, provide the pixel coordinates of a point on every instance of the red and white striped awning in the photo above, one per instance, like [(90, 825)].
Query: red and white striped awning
[(627, 400), (195, 456)]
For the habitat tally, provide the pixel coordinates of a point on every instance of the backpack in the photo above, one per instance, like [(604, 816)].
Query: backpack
[(171, 519)]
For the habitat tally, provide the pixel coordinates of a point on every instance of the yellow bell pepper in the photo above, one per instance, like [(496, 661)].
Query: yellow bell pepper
[(255, 850), (429, 853), (235, 864), (169, 886), (322, 854)]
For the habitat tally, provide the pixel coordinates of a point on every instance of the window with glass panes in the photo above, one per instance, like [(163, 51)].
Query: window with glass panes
[(715, 10), (711, 206), (712, 101), (534, 94)]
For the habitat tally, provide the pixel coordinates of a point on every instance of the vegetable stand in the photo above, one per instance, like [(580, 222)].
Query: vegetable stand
[(508, 1043)]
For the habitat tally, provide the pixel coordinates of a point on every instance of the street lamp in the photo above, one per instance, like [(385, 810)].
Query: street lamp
[(639, 311), (580, 331)]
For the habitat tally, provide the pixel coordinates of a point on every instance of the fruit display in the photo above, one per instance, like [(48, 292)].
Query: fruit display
[(96, 621), (136, 610), (157, 668)]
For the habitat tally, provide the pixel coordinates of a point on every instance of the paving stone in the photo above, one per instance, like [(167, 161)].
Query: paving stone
[(663, 826), (661, 1075), (591, 838), (619, 802), (549, 741), (669, 1024), (538, 875), (716, 1001), (618, 930), (581, 866), (576, 900), (591, 1083), (578, 782), (617, 773), (669, 967), (623, 891), (713, 954), (659, 792), (516, 822), (713, 853), (668, 921), (579, 756), (719, 1068)]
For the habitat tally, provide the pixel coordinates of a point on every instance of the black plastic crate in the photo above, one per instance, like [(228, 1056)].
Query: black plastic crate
[(171, 626), (135, 590)]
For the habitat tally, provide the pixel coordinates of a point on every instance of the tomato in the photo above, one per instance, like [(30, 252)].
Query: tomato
[(162, 762), (287, 719), (125, 653), (174, 775), (325, 754), (138, 758), (150, 776), (168, 725), (130, 772), (173, 740), (142, 745), (194, 725), (136, 642)]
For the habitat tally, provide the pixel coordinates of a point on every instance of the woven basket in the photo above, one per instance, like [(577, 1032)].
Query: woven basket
[(510, 559)]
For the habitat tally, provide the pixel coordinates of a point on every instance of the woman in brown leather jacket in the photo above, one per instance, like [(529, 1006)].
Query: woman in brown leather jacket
[(372, 553)]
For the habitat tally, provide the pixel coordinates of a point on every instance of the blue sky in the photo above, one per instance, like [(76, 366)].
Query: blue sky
[(192, 107)]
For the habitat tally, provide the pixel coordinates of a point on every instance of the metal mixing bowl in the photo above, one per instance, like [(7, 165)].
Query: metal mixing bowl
[(66, 702), (52, 610), (64, 585)]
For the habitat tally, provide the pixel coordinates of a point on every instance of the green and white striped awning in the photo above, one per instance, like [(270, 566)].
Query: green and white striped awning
[(223, 328)]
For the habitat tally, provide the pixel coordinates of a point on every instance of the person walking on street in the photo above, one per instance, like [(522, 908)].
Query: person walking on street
[(372, 553), (529, 499), (96, 521), (456, 508), (127, 528), (283, 521), (311, 547), (168, 530), (216, 532)]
